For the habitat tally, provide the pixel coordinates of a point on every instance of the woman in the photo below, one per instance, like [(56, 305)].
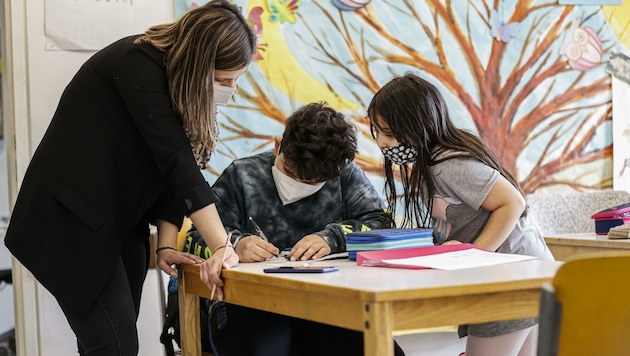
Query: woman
[(454, 183), (123, 150)]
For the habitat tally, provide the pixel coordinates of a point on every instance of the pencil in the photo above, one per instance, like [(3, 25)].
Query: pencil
[(214, 286), (259, 231)]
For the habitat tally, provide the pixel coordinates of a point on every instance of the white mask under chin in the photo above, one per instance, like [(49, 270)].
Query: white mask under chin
[(291, 190), (222, 94)]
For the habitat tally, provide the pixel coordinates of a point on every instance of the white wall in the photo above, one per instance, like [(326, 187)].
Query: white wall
[(7, 319), (33, 80)]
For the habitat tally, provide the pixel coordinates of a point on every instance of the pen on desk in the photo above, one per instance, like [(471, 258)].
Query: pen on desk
[(259, 232)]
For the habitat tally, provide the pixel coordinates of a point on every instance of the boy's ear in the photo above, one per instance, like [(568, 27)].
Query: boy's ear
[(276, 145)]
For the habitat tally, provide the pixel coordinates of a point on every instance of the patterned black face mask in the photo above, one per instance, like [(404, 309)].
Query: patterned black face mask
[(401, 154)]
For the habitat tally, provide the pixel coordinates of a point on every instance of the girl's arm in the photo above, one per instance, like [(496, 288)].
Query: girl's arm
[(506, 205)]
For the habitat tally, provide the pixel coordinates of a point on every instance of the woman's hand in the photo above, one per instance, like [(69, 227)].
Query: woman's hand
[(168, 257), (210, 270)]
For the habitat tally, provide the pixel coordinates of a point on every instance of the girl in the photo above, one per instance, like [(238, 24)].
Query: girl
[(453, 182)]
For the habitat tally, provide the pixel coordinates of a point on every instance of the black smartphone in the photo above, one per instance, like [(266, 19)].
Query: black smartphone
[(301, 269)]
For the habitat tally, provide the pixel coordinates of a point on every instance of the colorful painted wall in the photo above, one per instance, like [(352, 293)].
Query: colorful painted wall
[(529, 77)]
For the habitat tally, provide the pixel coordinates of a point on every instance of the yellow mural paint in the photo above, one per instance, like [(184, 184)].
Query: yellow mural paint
[(285, 72), (618, 18)]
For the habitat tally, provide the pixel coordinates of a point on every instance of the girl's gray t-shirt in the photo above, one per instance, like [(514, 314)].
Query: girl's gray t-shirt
[(461, 185)]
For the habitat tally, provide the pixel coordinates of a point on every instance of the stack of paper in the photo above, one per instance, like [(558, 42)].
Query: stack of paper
[(387, 239), (619, 232), (446, 257)]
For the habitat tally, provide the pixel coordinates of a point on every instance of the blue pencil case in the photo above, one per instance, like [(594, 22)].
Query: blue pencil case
[(392, 234), (387, 239)]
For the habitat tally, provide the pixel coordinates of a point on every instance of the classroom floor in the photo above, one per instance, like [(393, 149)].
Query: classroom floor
[(432, 343)]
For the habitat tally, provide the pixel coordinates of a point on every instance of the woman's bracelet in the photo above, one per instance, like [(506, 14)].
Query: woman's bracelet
[(220, 247), (165, 248)]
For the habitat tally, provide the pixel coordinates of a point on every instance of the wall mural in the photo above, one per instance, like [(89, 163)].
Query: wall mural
[(527, 76)]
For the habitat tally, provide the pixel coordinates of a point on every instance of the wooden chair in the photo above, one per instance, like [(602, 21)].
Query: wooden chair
[(586, 309)]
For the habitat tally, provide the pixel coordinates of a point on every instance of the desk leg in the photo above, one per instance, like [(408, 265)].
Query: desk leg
[(378, 329), (189, 320)]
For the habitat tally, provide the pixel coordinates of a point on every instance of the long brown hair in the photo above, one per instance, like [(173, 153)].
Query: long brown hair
[(212, 36), (416, 113)]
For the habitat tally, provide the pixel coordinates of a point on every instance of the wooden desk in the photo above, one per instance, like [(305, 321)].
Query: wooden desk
[(376, 301), (567, 245)]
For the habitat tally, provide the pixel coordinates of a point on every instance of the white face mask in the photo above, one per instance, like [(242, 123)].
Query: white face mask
[(222, 94), (291, 190)]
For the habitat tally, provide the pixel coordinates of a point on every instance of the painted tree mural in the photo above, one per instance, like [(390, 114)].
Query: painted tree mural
[(527, 76)]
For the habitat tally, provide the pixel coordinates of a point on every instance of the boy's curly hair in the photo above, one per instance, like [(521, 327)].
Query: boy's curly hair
[(317, 143)]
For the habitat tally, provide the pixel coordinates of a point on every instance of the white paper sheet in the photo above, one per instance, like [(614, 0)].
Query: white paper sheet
[(86, 24), (460, 259), (621, 134), (282, 259)]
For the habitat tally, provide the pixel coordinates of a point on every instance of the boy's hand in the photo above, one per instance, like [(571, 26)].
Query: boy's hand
[(310, 247), (254, 249)]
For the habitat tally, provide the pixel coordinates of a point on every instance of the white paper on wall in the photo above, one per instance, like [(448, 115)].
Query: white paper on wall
[(621, 134), (86, 24)]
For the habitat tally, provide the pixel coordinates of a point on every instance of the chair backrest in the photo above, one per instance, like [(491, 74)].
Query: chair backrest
[(586, 309), (566, 213)]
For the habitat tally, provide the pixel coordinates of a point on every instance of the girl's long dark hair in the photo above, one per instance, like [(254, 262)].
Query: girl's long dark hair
[(415, 112)]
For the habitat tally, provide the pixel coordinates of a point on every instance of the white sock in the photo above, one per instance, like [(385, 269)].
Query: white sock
[(517, 343)]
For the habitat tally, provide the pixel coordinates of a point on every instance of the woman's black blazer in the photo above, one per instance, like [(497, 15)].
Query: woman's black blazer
[(114, 151)]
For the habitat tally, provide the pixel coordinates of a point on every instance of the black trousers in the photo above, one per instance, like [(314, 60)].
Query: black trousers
[(251, 332), (109, 327)]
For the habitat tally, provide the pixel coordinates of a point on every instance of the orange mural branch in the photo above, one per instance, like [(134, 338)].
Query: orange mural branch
[(433, 35), (542, 49), (364, 75), (526, 102), (369, 164), (445, 12), (442, 72), (589, 126), (562, 102), (518, 100), (556, 126), (605, 184), (574, 152), (543, 175), (261, 101), (242, 132), (413, 58)]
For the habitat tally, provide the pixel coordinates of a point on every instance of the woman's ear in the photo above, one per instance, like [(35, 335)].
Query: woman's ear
[(276, 145)]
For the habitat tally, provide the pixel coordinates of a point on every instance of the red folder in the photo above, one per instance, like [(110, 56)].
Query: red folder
[(609, 218), (375, 258)]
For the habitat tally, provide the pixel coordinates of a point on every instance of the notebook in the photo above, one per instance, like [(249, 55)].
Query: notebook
[(445, 257)]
